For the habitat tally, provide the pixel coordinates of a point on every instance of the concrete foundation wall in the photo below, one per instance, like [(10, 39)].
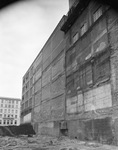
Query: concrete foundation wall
[(49, 128)]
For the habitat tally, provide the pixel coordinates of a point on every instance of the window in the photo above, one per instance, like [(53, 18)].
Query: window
[(0, 121), (26, 104), (16, 111), (31, 81), (83, 28), (101, 68), (30, 102), (4, 122), (75, 37), (15, 116), (15, 122), (71, 56), (12, 106), (27, 75), (85, 76), (4, 115), (27, 94), (22, 106), (1, 110), (11, 121), (5, 110), (70, 89), (6, 105), (7, 121), (8, 110), (23, 80), (1, 105), (8, 116), (31, 92), (16, 106), (9, 106), (0, 115), (97, 14), (12, 111), (16, 102), (22, 97), (69, 83)]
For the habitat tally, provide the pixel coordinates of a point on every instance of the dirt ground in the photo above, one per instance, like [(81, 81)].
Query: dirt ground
[(49, 143)]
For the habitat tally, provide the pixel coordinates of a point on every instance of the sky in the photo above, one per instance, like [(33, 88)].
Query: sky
[(24, 28)]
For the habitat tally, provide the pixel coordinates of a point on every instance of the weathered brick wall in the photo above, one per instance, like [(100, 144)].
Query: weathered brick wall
[(76, 129), (37, 98), (37, 86), (58, 66), (49, 128), (37, 62), (57, 107), (113, 39), (46, 77), (46, 92), (94, 99), (48, 83), (36, 114), (58, 86), (45, 112), (38, 74)]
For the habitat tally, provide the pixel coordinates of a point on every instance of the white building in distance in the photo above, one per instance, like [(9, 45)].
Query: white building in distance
[(9, 111)]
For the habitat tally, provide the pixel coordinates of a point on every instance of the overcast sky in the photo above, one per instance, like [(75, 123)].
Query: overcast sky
[(24, 29)]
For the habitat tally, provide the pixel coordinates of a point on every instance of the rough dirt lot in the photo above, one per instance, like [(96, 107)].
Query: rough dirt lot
[(49, 143)]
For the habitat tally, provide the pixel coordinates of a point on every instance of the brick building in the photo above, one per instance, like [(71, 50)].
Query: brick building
[(43, 92), (91, 71), (9, 111), (74, 77)]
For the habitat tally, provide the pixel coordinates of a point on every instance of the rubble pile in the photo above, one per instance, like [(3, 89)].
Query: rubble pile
[(42, 142)]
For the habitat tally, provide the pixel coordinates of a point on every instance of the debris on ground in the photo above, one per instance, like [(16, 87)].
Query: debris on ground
[(42, 142)]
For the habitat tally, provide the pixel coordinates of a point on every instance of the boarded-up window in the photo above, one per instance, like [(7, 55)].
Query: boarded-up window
[(98, 98), (69, 84), (71, 104), (76, 80), (89, 74), (30, 102), (26, 104), (83, 28), (80, 105), (85, 75), (102, 67), (70, 57), (97, 14), (75, 37)]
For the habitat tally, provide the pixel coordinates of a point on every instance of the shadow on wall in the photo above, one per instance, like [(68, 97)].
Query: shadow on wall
[(99, 130), (23, 129)]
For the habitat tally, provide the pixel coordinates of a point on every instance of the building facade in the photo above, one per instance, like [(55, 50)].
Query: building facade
[(43, 92), (91, 73), (74, 77), (9, 111)]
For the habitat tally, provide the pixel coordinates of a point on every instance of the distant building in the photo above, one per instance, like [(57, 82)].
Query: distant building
[(9, 111)]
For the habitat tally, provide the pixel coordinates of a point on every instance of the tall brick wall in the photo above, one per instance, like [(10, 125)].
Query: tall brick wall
[(113, 39), (49, 87), (89, 95)]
